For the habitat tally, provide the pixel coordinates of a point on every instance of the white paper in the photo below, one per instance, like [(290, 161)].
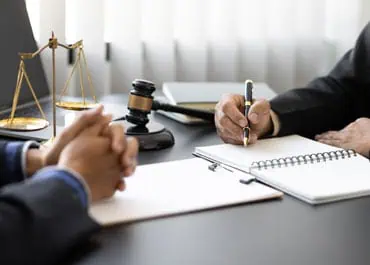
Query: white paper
[(176, 187)]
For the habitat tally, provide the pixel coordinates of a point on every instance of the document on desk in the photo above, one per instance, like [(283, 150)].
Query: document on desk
[(306, 169), (171, 188)]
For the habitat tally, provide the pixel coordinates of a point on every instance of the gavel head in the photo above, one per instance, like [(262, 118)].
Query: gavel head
[(140, 102)]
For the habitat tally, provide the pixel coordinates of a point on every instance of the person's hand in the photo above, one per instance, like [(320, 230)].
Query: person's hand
[(46, 156), (126, 148), (50, 155), (230, 119), (94, 123), (355, 136), (90, 154)]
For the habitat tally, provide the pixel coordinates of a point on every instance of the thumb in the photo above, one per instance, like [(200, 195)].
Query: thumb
[(259, 111)]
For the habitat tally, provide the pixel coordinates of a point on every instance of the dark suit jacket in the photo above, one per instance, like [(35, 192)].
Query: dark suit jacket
[(330, 102), (40, 220)]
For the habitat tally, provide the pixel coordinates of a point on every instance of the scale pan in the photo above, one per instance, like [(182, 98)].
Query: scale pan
[(76, 105), (26, 124)]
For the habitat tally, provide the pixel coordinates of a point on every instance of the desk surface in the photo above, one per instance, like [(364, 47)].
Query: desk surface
[(277, 232)]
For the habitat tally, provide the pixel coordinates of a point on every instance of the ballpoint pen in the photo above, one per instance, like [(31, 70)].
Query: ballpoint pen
[(248, 103)]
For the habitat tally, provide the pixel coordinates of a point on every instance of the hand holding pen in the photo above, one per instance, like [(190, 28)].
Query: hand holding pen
[(233, 115)]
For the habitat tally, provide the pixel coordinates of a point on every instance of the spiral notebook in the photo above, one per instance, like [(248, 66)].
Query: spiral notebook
[(311, 171)]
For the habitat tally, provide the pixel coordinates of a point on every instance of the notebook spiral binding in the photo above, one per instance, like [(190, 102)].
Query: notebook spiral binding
[(303, 159)]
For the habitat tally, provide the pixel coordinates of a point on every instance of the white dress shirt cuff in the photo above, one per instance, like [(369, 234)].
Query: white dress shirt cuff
[(27, 145), (275, 123)]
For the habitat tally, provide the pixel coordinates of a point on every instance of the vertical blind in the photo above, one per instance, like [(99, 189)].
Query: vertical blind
[(282, 42)]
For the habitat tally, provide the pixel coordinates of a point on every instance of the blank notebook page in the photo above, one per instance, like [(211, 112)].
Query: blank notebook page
[(176, 187), (241, 157), (321, 182)]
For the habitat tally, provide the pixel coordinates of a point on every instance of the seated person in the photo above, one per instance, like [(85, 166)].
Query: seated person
[(45, 193), (332, 109)]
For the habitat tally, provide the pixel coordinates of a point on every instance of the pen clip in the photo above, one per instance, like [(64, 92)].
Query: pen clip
[(216, 166)]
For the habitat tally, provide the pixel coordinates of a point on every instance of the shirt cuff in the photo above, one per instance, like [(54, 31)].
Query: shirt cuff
[(275, 123), (26, 146), (70, 177)]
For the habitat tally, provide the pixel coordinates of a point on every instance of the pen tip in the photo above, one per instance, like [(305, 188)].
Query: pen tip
[(248, 81)]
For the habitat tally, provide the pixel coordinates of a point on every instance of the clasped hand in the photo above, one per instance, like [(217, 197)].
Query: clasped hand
[(97, 151)]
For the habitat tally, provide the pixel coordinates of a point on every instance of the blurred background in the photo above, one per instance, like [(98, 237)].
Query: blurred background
[(284, 43)]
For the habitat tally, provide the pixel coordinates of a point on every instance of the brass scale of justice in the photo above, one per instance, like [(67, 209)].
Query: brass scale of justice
[(32, 123), (151, 135)]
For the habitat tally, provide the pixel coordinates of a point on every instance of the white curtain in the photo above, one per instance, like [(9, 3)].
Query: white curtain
[(284, 43)]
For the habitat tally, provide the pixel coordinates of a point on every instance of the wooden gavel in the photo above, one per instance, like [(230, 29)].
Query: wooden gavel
[(141, 103)]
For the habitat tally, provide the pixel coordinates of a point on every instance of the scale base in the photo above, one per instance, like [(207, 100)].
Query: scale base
[(24, 124), (153, 136)]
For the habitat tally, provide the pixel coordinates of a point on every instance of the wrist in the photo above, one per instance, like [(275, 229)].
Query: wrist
[(80, 178), (34, 161)]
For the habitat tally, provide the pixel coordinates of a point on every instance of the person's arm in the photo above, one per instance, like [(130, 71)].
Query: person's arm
[(16, 161), (330, 102), (43, 218)]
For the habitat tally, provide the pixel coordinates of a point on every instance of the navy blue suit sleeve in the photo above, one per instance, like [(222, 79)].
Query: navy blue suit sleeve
[(41, 220), (11, 162), (69, 177)]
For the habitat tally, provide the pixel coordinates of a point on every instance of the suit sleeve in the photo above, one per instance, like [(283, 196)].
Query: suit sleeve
[(11, 162), (40, 221), (332, 101)]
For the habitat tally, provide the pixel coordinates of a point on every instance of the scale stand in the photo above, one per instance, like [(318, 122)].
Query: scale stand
[(33, 123)]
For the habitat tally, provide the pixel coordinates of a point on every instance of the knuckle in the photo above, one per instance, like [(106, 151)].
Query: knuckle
[(218, 106), (261, 105), (218, 116), (222, 133), (231, 102), (360, 120), (264, 102), (226, 106)]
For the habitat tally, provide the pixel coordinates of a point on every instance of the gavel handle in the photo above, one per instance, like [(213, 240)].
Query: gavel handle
[(203, 114)]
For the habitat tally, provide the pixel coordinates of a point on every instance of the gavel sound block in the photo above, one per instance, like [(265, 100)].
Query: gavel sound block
[(152, 135)]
